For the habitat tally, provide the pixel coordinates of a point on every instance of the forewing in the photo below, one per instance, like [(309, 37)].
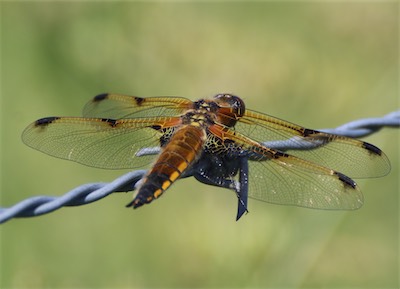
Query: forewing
[(95, 142), (117, 106), (352, 157), (280, 178)]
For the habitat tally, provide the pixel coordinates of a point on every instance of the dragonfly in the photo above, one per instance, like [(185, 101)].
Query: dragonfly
[(219, 142)]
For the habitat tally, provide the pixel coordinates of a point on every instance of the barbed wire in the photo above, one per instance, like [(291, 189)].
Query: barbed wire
[(88, 193)]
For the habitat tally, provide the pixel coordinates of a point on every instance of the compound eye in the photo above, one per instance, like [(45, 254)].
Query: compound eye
[(224, 97), (225, 100)]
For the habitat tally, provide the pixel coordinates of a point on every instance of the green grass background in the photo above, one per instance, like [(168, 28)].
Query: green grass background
[(317, 64)]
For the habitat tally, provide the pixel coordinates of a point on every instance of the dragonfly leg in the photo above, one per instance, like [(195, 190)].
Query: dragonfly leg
[(218, 173), (243, 191)]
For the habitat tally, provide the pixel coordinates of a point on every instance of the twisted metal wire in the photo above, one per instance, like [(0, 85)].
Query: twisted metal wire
[(88, 193)]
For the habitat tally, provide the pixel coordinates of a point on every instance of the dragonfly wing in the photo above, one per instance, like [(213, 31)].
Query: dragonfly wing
[(280, 178), (287, 180), (117, 106), (95, 142), (352, 157)]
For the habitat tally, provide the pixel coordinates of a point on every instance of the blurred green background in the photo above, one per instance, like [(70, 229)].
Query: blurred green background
[(316, 64)]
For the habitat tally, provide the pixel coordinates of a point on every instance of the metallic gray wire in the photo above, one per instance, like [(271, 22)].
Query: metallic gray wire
[(92, 192)]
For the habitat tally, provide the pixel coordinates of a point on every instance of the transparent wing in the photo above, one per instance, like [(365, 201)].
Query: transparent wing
[(352, 157), (292, 182), (95, 142), (117, 106), (280, 178)]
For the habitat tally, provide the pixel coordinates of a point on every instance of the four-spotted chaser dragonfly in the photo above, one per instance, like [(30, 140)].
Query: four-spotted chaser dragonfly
[(219, 142)]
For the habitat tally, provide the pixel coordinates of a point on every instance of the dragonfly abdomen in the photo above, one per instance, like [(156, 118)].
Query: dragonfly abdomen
[(184, 148)]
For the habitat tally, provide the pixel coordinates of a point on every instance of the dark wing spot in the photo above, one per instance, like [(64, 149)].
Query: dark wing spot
[(279, 154), (346, 180), (111, 122), (139, 100), (307, 132), (372, 149), (46, 121), (100, 97), (156, 127)]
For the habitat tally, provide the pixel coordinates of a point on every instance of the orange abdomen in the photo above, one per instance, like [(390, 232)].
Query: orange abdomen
[(184, 147)]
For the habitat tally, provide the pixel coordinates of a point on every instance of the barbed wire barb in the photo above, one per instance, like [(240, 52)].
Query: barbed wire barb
[(88, 193)]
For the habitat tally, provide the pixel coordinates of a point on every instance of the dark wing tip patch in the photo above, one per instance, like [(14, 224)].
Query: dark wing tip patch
[(100, 97), (46, 121), (372, 149), (346, 180)]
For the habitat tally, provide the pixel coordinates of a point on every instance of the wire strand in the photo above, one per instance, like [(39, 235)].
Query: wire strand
[(88, 193)]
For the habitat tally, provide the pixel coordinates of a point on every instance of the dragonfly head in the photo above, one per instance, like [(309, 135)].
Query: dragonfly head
[(231, 108)]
